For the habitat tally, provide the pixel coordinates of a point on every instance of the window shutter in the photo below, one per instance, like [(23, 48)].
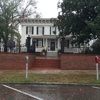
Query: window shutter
[(32, 30), (37, 30), (43, 30), (50, 30), (26, 29)]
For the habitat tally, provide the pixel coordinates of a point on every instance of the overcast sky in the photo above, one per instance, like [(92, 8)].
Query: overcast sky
[(48, 8)]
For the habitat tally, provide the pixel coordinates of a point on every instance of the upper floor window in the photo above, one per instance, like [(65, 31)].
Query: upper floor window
[(40, 30), (52, 30), (29, 30)]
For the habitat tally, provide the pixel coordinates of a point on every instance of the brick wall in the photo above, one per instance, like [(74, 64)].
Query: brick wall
[(10, 61), (15, 61), (78, 62)]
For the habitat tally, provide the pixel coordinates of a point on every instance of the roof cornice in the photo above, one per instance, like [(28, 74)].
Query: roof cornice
[(36, 20)]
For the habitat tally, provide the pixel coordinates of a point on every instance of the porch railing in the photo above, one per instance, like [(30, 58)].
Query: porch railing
[(74, 50), (24, 49)]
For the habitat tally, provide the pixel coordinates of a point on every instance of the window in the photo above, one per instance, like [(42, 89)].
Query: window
[(40, 30), (52, 30), (39, 43), (29, 30)]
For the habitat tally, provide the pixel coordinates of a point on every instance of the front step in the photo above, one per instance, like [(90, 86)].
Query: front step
[(52, 54), (45, 64)]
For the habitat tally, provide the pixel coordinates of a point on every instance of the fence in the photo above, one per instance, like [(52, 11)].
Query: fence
[(75, 49), (15, 49)]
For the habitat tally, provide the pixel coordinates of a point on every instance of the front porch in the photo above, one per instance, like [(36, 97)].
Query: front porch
[(49, 43), (48, 54)]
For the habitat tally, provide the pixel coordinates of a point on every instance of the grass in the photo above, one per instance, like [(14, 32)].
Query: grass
[(59, 78)]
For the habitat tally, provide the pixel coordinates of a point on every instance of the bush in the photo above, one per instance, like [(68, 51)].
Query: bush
[(44, 51), (59, 51), (87, 51), (96, 47)]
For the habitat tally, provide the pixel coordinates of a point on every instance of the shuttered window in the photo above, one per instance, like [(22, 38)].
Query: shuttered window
[(52, 30), (39, 43), (29, 30), (40, 30)]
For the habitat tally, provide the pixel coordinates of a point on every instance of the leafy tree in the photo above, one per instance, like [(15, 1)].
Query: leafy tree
[(10, 10), (81, 18), (96, 47)]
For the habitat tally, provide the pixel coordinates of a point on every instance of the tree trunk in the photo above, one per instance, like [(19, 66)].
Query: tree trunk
[(5, 47)]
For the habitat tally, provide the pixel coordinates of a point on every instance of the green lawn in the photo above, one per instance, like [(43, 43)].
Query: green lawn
[(59, 78)]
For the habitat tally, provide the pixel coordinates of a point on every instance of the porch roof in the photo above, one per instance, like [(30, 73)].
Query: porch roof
[(50, 36), (45, 36)]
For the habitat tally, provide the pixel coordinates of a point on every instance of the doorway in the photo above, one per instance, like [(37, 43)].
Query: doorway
[(52, 47)]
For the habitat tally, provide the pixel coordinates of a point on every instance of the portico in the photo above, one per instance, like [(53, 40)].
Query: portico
[(47, 42)]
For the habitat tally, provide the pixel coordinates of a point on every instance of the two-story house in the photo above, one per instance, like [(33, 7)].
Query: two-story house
[(41, 30)]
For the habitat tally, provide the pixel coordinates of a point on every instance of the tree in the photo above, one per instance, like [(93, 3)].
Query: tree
[(79, 17), (10, 10), (96, 47)]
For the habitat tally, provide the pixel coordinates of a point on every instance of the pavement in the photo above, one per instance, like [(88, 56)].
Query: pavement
[(49, 92)]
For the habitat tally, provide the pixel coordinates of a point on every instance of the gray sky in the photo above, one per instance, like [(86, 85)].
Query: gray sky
[(48, 8)]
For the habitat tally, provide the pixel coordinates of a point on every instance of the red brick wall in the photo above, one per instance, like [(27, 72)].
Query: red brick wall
[(10, 61), (15, 61), (78, 62)]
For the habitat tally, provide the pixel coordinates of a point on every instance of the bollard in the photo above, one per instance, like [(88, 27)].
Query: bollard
[(97, 72), (27, 59)]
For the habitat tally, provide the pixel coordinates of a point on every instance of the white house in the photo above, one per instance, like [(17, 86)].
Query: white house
[(41, 30)]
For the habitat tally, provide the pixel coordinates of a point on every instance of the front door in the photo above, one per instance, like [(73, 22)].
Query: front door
[(52, 46)]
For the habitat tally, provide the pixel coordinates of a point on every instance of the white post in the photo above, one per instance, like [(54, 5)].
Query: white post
[(97, 72), (27, 59), (26, 70)]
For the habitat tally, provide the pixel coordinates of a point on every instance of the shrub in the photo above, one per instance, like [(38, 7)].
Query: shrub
[(59, 51), (44, 51), (96, 46)]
